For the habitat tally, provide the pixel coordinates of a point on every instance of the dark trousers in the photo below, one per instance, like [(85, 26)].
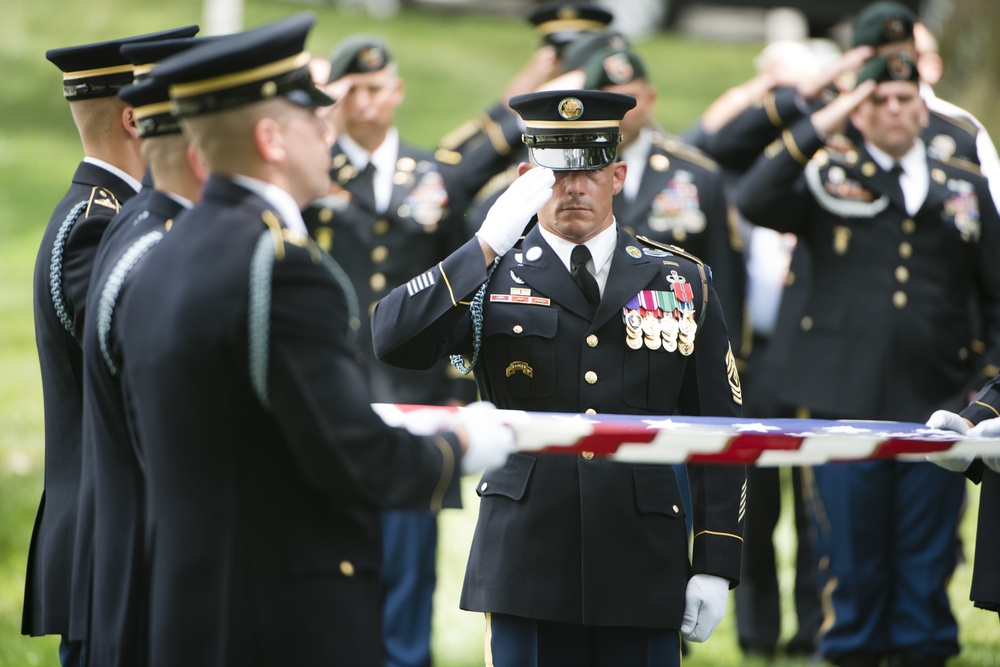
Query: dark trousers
[(409, 552), (757, 598), (887, 531), (524, 642)]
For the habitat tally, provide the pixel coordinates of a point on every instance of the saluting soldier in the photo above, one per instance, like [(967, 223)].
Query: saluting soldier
[(265, 464), (108, 176), (110, 577), (389, 213), (580, 560), (902, 242)]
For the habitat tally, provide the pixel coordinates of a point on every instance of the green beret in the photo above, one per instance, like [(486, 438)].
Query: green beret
[(610, 67), (883, 22), (358, 54), (893, 67)]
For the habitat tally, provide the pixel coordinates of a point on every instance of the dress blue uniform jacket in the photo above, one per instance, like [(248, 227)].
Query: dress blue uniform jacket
[(901, 314), (265, 465), (579, 539), (681, 201), (380, 251), (111, 566), (62, 277), (986, 569)]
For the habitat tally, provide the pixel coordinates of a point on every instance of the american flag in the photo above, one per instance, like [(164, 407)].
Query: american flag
[(754, 442)]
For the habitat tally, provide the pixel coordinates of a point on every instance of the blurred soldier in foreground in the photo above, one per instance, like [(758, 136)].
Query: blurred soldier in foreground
[(265, 465), (109, 175)]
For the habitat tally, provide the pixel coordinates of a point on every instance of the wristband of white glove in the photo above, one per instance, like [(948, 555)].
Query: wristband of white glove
[(704, 606), (949, 421), (512, 211), (490, 440)]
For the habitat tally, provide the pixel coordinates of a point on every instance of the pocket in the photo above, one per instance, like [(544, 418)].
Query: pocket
[(510, 481), (522, 353), (651, 379), (657, 492)]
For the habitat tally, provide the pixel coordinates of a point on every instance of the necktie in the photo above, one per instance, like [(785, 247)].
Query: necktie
[(578, 269), (363, 187)]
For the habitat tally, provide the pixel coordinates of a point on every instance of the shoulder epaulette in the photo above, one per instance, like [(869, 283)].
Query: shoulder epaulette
[(960, 122), (687, 152), (498, 182), (102, 197), (962, 163), (463, 132), (671, 249)]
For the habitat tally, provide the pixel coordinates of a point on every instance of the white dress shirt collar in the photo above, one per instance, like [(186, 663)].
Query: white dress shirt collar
[(601, 247), (134, 183)]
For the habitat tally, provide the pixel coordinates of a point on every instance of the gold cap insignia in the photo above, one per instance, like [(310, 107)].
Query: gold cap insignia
[(570, 108)]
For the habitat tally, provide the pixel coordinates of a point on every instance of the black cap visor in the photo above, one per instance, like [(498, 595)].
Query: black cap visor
[(573, 152)]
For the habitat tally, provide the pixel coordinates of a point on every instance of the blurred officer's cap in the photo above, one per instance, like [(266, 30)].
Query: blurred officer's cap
[(233, 71), (99, 69), (559, 23), (610, 67)]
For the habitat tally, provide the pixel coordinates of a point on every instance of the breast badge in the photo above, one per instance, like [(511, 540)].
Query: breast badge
[(677, 208), (962, 208)]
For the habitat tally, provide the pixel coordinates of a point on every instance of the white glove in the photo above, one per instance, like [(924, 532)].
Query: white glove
[(511, 212), (490, 439), (704, 606), (989, 428), (949, 421)]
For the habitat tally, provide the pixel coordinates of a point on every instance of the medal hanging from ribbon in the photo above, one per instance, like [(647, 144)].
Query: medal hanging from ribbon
[(658, 319)]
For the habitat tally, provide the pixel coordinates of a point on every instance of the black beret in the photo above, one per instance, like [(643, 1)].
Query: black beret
[(358, 54), (892, 67), (883, 22), (561, 22), (99, 69), (572, 130), (580, 49), (610, 67), (236, 70)]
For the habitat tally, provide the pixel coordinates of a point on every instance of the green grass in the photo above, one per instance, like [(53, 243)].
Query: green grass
[(453, 65)]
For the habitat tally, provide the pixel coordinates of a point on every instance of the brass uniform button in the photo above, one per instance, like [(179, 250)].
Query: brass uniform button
[(590, 377), (518, 328), (484, 486), (905, 250), (592, 340), (379, 254), (380, 227), (806, 323), (902, 274), (325, 214), (899, 299), (587, 456), (377, 282), (347, 568), (676, 509), (909, 226), (590, 411)]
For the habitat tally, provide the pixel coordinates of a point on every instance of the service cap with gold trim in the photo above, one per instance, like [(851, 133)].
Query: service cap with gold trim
[(572, 130), (233, 71), (883, 22), (559, 23), (98, 70), (358, 54), (150, 97)]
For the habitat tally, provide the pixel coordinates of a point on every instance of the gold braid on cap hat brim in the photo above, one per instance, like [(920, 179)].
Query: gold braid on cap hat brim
[(224, 81)]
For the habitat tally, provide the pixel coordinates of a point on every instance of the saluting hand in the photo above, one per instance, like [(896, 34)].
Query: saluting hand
[(511, 212)]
